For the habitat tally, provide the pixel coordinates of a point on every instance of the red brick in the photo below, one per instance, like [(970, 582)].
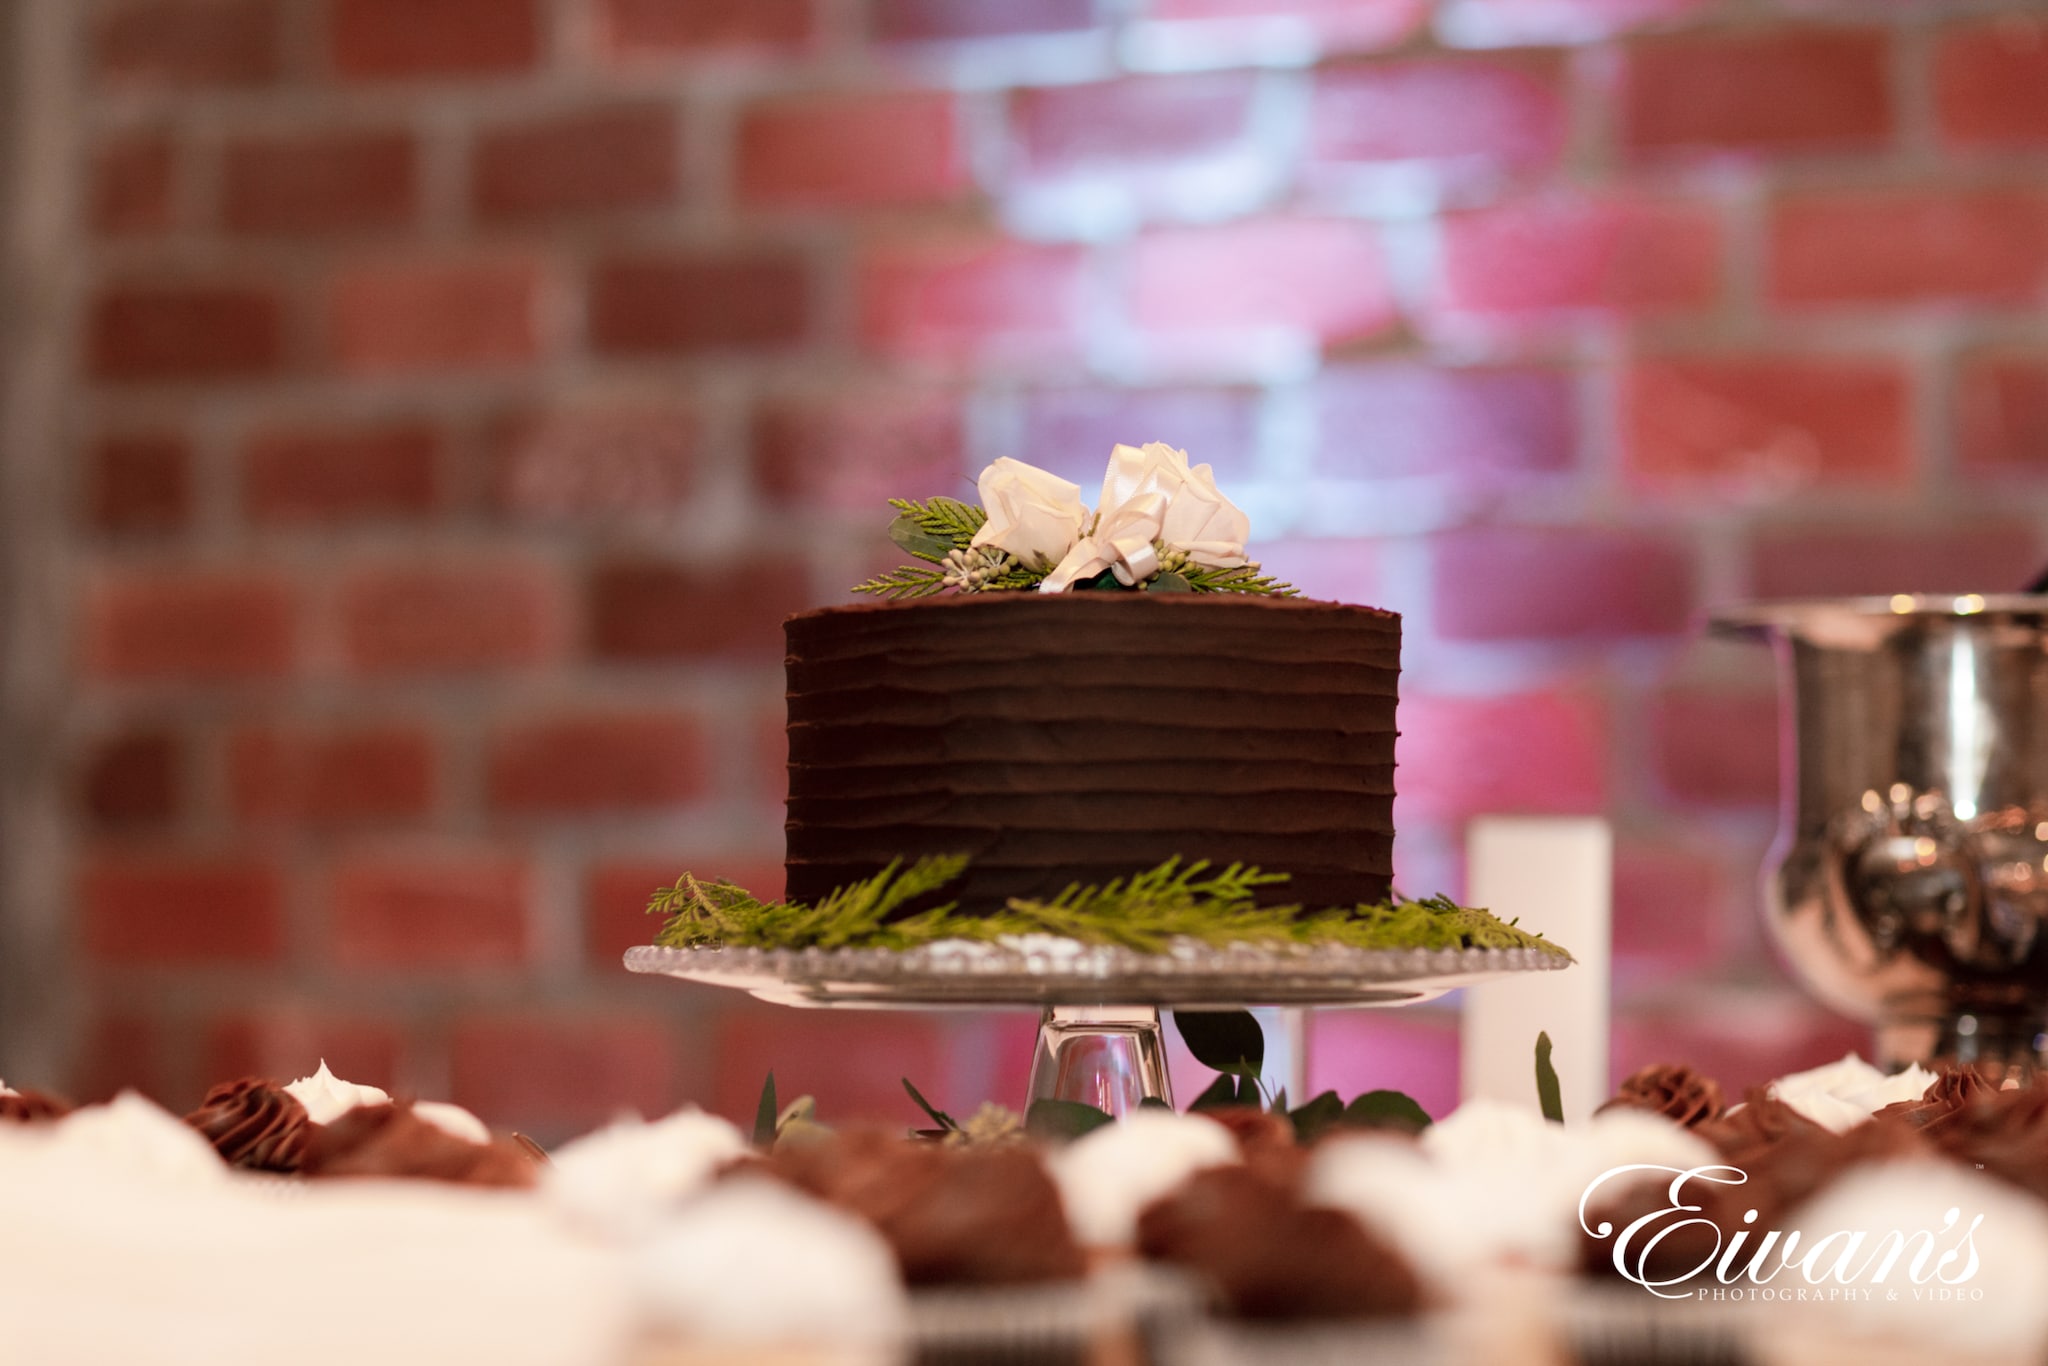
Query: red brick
[(1109, 126), (1988, 79), (384, 39), (1478, 425), (1748, 1040), (1977, 556), (1716, 747), (437, 909), (133, 179), (615, 900), (1354, 1051), (1323, 277), (555, 1075), (405, 317), (598, 762), (2002, 414), (853, 1066), (140, 483), (939, 299), (449, 617), (1781, 89), (325, 182), (1509, 583), (121, 1050), (852, 453), (649, 610), (1072, 431), (600, 461), (142, 333), (188, 44), (1559, 255), (1458, 113), (1504, 23), (706, 27), (1543, 753), (1901, 246), (660, 305), (1769, 422), (954, 20), (312, 476), (180, 910), (1332, 25), (285, 1042), (850, 151), (330, 777), (195, 625), (132, 779), (585, 161), (1673, 910)]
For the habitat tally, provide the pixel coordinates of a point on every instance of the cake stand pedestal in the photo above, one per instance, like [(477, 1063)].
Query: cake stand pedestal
[(1099, 1039)]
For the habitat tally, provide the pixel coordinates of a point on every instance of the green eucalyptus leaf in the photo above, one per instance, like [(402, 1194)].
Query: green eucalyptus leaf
[(1169, 583), (1221, 1094), (1223, 1040), (1386, 1110), (938, 1116), (1105, 582), (1548, 1094), (1063, 1119), (765, 1115), (907, 533), (1317, 1115)]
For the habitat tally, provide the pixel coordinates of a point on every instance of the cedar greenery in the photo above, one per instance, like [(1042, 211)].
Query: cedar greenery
[(940, 532), (1147, 913)]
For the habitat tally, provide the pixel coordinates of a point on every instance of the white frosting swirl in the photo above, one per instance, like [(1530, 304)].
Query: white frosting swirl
[(1107, 1177), (751, 1263), (1841, 1095), (131, 1137), (1942, 1199), (451, 1119), (327, 1097), (622, 1177)]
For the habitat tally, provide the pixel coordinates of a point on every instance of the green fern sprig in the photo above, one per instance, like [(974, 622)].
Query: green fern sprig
[(904, 581), (1147, 912), (947, 519), (1243, 578)]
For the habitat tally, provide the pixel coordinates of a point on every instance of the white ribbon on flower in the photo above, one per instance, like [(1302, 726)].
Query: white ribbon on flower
[(1151, 494)]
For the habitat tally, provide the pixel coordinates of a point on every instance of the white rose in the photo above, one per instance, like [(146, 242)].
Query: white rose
[(1034, 515), (1151, 494)]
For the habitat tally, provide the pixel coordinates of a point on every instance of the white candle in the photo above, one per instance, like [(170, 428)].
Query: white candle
[(1555, 876)]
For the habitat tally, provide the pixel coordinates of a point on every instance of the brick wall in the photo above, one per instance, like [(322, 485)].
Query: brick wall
[(463, 389)]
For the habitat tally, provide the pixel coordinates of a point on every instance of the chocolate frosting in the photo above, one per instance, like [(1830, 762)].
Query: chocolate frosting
[(1944, 1105), (254, 1124), (1761, 1121), (1680, 1093), (987, 1215), (1086, 736), (392, 1141), (1266, 1256), (32, 1107)]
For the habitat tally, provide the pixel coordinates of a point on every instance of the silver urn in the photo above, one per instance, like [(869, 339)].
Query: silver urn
[(1909, 881)]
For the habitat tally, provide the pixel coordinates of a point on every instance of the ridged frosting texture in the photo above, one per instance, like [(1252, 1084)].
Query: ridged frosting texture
[(1090, 736)]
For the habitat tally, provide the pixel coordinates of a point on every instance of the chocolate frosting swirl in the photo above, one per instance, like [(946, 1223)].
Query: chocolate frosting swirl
[(1680, 1093), (1267, 1256), (1944, 1105), (254, 1124), (392, 1141), (1762, 1120), (31, 1107)]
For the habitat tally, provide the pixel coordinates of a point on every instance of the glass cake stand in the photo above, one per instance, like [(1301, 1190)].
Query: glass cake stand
[(1099, 1040)]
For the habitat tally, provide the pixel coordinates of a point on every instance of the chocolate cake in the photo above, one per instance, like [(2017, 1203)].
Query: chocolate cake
[(1084, 736)]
